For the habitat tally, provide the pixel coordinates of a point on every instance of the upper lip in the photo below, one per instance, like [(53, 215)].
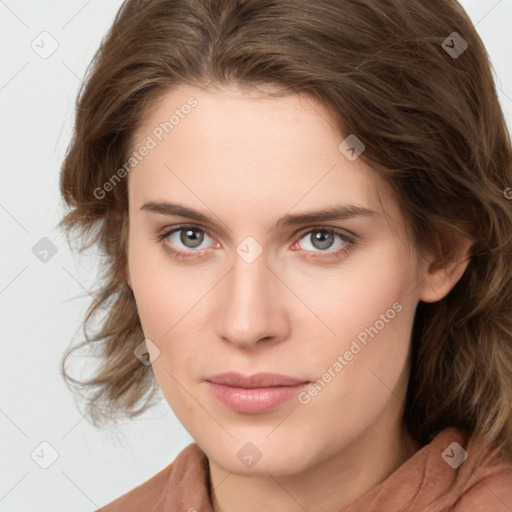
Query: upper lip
[(258, 380)]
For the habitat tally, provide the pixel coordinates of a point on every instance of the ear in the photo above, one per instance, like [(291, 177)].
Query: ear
[(440, 280)]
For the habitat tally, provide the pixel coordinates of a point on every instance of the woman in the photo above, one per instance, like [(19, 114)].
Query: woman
[(307, 235)]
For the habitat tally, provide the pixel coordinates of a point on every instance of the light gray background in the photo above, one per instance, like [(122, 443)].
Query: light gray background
[(42, 304)]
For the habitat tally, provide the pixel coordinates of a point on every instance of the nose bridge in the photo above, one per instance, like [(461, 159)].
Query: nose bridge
[(249, 278), (250, 308)]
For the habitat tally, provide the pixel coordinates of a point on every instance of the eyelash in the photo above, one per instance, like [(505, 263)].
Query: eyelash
[(349, 242)]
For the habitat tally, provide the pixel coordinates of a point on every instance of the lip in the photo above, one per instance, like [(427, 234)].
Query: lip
[(256, 393)]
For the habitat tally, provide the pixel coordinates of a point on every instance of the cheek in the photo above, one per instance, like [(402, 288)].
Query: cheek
[(353, 296), (170, 309), (159, 287), (370, 314)]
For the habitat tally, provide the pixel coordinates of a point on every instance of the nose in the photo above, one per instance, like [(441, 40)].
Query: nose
[(251, 307)]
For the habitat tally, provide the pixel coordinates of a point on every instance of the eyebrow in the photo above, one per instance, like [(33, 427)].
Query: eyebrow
[(338, 212)]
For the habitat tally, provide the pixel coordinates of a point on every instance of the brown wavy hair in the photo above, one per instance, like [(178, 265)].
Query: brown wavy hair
[(432, 126)]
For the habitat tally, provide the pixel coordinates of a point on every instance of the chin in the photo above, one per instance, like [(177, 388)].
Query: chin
[(243, 456)]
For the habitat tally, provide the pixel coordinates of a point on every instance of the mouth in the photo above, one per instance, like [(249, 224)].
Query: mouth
[(256, 393)]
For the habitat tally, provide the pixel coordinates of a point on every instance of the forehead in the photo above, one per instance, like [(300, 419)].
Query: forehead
[(241, 148)]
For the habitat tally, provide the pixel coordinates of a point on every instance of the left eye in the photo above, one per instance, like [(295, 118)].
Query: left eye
[(323, 239)]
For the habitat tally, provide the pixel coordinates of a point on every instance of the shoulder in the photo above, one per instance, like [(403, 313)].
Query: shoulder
[(490, 493), (443, 476), (488, 482), (180, 476)]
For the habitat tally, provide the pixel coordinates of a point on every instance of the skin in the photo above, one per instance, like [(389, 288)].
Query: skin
[(247, 159)]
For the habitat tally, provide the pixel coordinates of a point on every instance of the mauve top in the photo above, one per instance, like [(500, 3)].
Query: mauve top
[(417, 485)]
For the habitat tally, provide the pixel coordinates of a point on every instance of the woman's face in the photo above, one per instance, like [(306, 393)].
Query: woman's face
[(255, 288)]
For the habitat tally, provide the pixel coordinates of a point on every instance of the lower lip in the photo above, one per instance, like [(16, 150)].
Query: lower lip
[(254, 400)]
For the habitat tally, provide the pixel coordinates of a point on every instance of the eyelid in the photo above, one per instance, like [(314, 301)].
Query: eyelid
[(349, 242), (179, 227), (348, 235)]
